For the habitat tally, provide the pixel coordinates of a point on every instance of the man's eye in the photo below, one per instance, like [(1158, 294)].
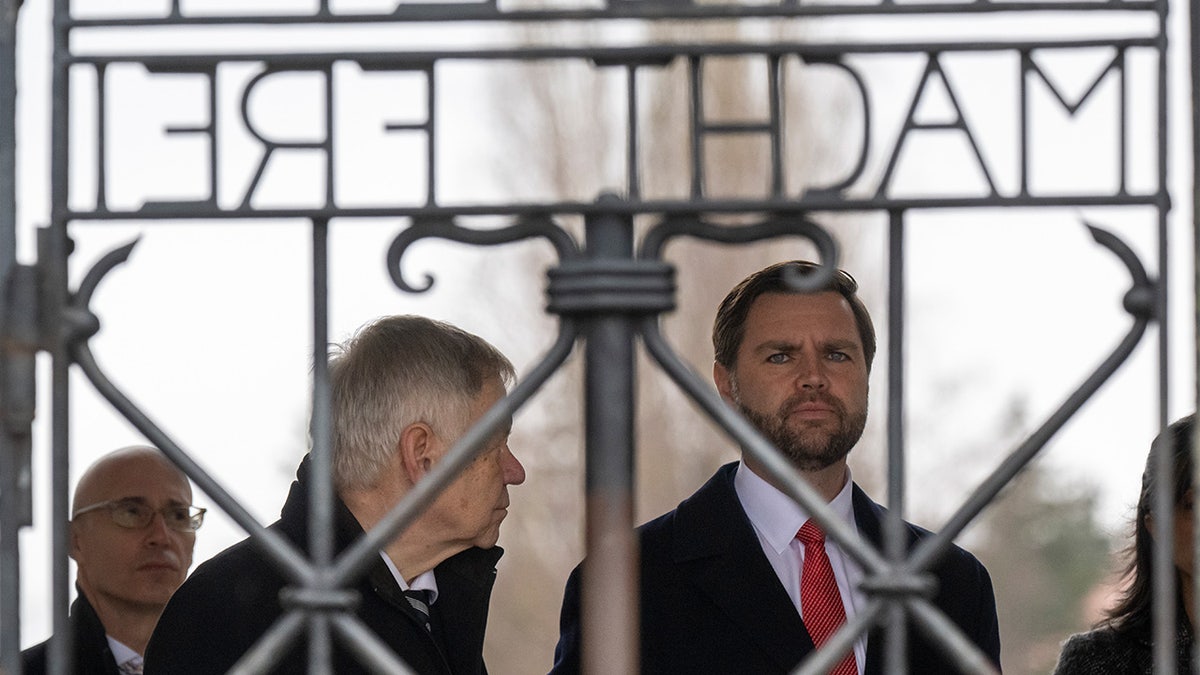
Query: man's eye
[(132, 509), (777, 358), (838, 356), (178, 515)]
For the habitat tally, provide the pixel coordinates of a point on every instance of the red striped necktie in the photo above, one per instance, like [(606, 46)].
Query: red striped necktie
[(820, 601)]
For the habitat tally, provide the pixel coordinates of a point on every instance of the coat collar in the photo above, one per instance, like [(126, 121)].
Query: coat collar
[(716, 544), (464, 580)]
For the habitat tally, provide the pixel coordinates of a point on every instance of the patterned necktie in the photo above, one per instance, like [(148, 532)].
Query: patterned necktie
[(131, 667), (820, 601), (419, 600)]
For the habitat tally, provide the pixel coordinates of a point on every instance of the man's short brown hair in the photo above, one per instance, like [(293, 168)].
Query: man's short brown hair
[(730, 325)]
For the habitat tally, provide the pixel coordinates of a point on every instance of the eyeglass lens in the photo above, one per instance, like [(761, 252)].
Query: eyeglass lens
[(137, 515)]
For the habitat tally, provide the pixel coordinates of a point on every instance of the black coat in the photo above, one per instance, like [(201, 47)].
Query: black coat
[(230, 601), (711, 602), (1105, 651), (91, 653)]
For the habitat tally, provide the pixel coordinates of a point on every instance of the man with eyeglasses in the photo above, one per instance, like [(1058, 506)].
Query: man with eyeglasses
[(132, 531)]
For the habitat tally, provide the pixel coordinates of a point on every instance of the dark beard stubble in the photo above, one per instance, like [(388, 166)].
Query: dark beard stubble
[(809, 449)]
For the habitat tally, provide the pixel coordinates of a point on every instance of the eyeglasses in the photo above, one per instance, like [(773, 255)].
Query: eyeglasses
[(136, 515)]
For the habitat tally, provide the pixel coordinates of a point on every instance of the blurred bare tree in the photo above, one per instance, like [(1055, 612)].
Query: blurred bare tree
[(1049, 559)]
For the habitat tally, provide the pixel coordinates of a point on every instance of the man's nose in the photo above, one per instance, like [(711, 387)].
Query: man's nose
[(157, 531), (514, 472), (810, 371)]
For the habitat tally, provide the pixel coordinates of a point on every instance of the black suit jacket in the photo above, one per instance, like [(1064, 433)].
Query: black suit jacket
[(230, 601), (90, 652), (711, 602)]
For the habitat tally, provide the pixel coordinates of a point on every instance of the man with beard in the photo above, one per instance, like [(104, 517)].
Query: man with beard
[(132, 532), (737, 579)]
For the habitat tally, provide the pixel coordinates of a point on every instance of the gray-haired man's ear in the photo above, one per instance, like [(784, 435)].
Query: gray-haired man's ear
[(418, 449)]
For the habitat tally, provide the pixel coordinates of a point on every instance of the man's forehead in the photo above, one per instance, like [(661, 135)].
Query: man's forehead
[(140, 477), (826, 313)]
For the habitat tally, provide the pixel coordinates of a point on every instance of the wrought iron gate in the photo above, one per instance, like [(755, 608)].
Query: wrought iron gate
[(608, 290)]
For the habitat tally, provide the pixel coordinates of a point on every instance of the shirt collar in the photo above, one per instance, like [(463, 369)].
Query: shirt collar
[(121, 653), (425, 581), (776, 517)]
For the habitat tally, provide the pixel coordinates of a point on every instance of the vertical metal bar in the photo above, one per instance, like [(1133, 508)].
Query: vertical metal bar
[(53, 254), (321, 506), (10, 554), (102, 139), (1023, 120), (896, 637), (610, 576), (697, 126), (327, 142), (214, 151), (776, 124), (1123, 116), (1194, 73), (18, 397), (1165, 604), (53, 247), (8, 135), (634, 187), (430, 137), (1163, 569)]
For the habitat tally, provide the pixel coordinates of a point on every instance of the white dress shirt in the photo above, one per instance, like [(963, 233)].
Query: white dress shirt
[(776, 519), (123, 654), (424, 581)]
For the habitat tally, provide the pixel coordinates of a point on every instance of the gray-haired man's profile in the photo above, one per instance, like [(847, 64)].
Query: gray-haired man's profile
[(403, 390)]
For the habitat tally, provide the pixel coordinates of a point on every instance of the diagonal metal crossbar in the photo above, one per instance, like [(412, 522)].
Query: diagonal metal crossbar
[(608, 290)]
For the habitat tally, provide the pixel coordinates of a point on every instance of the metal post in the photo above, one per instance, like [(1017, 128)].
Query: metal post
[(894, 532), (1194, 72), (10, 579), (53, 248), (610, 575), (321, 505), (8, 135)]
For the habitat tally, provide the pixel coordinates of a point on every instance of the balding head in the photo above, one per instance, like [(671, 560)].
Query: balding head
[(102, 476), (123, 568)]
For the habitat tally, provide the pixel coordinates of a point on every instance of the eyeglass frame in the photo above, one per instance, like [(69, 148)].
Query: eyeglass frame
[(195, 514)]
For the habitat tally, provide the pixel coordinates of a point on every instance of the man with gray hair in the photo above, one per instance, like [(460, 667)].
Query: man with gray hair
[(132, 531), (403, 390)]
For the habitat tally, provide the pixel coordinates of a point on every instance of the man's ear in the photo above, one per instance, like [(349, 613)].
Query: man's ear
[(418, 450), (723, 378), (73, 552)]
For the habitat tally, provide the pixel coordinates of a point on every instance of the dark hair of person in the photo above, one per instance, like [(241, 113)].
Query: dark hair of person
[(1134, 610), (730, 325)]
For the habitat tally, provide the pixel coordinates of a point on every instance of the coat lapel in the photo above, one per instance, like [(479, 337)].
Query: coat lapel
[(465, 585), (716, 545), (866, 517)]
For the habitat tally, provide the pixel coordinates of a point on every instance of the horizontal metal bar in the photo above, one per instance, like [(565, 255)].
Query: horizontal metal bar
[(461, 12), (637, 55), (798, 204)]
